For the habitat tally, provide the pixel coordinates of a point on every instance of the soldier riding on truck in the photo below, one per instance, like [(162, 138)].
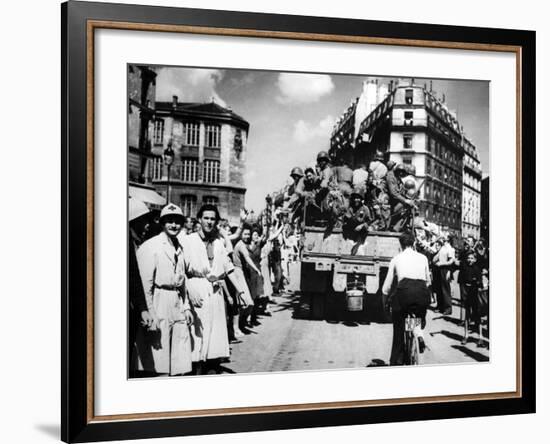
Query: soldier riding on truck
[(350, 240)]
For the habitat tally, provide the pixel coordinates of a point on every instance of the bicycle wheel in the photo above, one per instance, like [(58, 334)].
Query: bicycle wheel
[(408, 347), (414, 350)]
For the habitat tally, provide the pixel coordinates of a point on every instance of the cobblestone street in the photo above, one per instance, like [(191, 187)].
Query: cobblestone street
[(285, 341)]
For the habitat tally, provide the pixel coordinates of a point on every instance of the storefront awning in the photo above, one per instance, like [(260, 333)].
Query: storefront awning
[(150, 197)]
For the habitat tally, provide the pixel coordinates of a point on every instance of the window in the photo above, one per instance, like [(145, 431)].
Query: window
[(158, 133), (191, 134), (409, 96), (211, 171), (156, 168), (409, 118), (210, 200), (188, 204), (188, 170), (428, 166), (213, 139), (407, 140), (238, 142)]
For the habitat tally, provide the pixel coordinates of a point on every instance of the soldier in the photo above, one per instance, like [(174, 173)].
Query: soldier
[(294, 201), (360, 178), (162, 270), (306, 191), (343, 176), (324, 171), (401, 207), (310, 182), (296, 173), (377, 174), (331, 201), (378, 190), (357, 219)]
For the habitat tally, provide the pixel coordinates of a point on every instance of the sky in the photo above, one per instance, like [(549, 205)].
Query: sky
[(291, 115)]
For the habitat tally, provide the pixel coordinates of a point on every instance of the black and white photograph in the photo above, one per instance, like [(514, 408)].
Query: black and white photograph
[(291, 221)]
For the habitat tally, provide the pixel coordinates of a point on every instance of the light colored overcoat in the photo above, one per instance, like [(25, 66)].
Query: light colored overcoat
[(209, 331), (162, 271)]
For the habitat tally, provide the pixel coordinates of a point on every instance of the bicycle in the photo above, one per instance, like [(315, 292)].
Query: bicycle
[(412, 346)]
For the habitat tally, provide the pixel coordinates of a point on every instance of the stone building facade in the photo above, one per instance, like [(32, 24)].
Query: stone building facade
[(210, 145), (411, 126), (484, 222), (471, 192), (141, 112), (141, 115)]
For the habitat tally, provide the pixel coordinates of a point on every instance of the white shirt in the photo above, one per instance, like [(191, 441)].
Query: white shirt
[(446, 254), (360, 177), (407, 264)]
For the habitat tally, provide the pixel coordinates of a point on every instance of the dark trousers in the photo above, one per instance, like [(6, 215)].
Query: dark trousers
[(470, 300), (411, 297), (443, 290), (397, 356), (278, 276)]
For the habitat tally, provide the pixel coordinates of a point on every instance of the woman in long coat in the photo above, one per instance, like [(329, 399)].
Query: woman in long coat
[(206, 265), (162, 271)]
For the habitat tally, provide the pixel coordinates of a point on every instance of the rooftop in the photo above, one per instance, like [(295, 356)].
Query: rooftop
[(205, 110)]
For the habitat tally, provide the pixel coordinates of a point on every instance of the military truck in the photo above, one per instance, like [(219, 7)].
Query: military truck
[(339, 285)]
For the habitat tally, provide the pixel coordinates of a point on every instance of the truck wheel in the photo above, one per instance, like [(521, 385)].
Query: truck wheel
[(318, 304)]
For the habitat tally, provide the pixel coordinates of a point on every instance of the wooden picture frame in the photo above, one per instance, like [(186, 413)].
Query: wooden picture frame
[(79, 22)]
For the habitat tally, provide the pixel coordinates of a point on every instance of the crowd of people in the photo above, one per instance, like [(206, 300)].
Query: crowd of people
[(465, 260), (197, 284), (430, 262)]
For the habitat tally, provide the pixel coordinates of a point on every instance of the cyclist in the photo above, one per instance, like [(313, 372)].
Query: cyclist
[(411, 295)]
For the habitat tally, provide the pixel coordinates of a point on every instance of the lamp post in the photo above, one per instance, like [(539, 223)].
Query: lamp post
[(168, 159)]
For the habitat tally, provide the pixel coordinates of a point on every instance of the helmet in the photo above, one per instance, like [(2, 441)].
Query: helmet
[(355, 194), (379, 156), (136, 208), (400, 168), (323, 155), (296, 171), (171, 210), (390, 164), (409, 183), (411, 169)]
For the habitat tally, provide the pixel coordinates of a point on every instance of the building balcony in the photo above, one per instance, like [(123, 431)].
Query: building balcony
[(212, 153), (189, 171), (409, 123), (475, 170), (189, 151), (444, 133)]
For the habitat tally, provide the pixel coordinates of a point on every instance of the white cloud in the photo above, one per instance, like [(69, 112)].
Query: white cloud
[(190, 85), (303, 88), (305, 132), (247, 79), (250, 175)]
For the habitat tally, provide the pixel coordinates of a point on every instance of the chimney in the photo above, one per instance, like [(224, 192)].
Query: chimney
[(174, 102)]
